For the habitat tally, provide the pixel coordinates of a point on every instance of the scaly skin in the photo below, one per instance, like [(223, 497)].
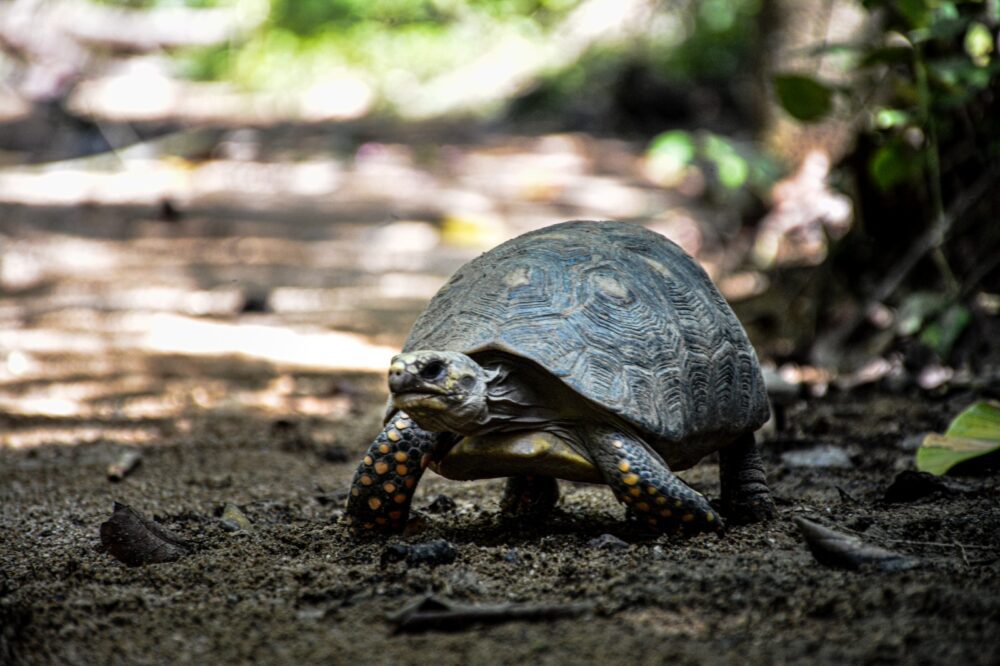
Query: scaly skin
[(648, 488), (384, 482), (745, 495)]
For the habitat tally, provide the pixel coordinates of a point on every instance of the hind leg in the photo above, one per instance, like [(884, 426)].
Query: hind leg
[(529, 496), (745, 495), (644, 483)]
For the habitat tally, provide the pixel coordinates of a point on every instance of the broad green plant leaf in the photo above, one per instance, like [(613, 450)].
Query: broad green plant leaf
[(803, 97), (973, 433)]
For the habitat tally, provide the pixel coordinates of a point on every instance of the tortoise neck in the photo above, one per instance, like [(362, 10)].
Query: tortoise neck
[(521, 395)]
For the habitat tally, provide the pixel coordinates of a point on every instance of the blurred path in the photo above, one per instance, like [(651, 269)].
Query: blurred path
[(147, 283)]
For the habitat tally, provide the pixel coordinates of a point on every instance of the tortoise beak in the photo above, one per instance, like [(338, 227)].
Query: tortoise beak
[(401, 381), (408, 373)]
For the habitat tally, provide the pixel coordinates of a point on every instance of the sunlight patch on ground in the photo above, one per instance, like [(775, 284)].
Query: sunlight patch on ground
[(139, 181), (75, 436), (169, 333), (142, 397)]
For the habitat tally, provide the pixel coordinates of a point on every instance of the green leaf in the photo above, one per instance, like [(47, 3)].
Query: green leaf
[(894, 163), (916, 12), (676, 146), (731, 167), (888, 118), (979, 44), (803, 97), (942, 333), (733, 171), (916, 309), (669, 154), (972, 434), (981, 420), (944, 29)]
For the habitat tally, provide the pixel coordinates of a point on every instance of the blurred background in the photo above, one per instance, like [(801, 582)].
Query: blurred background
[(239, 206)]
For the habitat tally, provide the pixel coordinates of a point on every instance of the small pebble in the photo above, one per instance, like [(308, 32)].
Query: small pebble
[(911, 443), (310, 614), (441, 504), (431, 553), (234, 520), (415, 525), (607, 542), (336, 454), (291, 435), (394, 552), (255, 300), (126, 463), (910, 486), (336, 497)]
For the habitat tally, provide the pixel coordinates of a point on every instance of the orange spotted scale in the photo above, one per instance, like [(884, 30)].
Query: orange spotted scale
[(383, 483)]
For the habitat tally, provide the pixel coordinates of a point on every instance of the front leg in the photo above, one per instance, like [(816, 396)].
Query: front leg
[(642, 481), (385, 481)]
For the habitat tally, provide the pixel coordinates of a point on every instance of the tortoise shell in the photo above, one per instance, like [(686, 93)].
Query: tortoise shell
[(622, 316)]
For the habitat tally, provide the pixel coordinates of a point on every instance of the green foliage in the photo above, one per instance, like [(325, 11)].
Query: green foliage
[(391, 44), (931, 58), (673, 150), (733, 166), (710, 40), (803, 97), (972, 434), (941, 334), (937, 319), (145, 4), (395, 44), (895, 162)]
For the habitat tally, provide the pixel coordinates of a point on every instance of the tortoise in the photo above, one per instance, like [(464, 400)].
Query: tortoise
[(588, 351)]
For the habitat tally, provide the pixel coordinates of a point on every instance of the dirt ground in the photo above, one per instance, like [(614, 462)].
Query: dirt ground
[(193, 336), (299, 587)]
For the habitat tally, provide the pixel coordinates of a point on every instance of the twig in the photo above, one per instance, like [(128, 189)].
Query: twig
[(965, 556), (910, 542), (846, 496), (431, 613)]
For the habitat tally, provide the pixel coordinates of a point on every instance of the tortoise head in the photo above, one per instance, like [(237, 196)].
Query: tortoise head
[(440, 390)]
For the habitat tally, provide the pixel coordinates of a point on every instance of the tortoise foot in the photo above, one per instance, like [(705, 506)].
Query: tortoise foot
[(745, 495), (752, 510), (529, 496)]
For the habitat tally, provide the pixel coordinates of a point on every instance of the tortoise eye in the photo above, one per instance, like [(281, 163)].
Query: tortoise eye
[(433, 370)]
